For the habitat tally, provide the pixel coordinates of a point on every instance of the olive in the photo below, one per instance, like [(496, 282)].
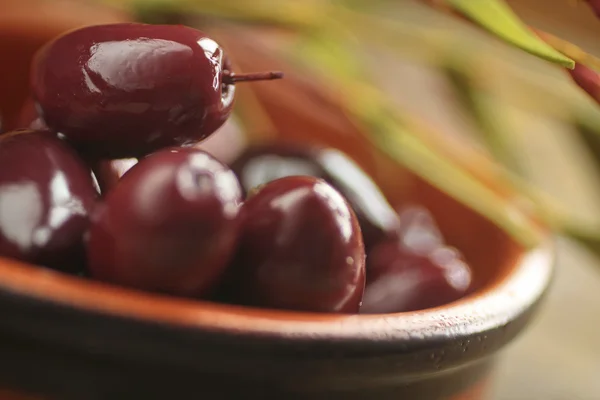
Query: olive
[(124, 90), (416, 271), (46, 195), (169, 225), (265, 162), (300, 249)]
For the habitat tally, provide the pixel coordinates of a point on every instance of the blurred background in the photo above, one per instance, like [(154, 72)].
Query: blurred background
[(476, 92)]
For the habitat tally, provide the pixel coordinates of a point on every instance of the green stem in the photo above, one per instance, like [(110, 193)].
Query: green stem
[(484, 112), (497, 17), (390, 135)]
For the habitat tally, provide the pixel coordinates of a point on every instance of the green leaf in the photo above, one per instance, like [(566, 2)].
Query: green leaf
[(498, 18), (587, 123), (585, 237), (390, 134), (302, 15), (485, 111), (326, 50)]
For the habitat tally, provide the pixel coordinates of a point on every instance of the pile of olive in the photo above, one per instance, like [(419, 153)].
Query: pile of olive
[(105, 179)]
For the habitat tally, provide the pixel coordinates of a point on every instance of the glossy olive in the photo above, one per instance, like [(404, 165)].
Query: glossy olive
[(265, 162), (46, 195), (169, 225), (123, 90), (300, 249), (415, 272)]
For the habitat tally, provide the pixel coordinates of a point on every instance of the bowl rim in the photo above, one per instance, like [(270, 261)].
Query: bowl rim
[(494, 306)]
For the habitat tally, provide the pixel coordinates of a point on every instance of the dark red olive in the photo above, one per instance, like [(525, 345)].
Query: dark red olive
[(415, 272), (124, 90), (170, 224), (46, 195), (265, 162), (300, 249)]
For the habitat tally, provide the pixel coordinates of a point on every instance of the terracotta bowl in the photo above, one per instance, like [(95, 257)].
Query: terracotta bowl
[(63, 337)]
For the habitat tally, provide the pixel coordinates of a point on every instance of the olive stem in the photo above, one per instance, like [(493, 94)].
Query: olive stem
[(230, 78)]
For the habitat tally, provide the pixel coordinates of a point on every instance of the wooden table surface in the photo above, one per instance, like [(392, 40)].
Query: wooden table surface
[(558, 358)]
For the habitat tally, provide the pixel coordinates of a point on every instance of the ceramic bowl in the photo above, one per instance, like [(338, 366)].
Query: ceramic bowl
[(63, 337)]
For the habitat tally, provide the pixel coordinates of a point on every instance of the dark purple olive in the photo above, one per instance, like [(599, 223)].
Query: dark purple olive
[(415, 272), (46, 195), (124, 90), (169, 225), (300, 249), (266, 162)]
